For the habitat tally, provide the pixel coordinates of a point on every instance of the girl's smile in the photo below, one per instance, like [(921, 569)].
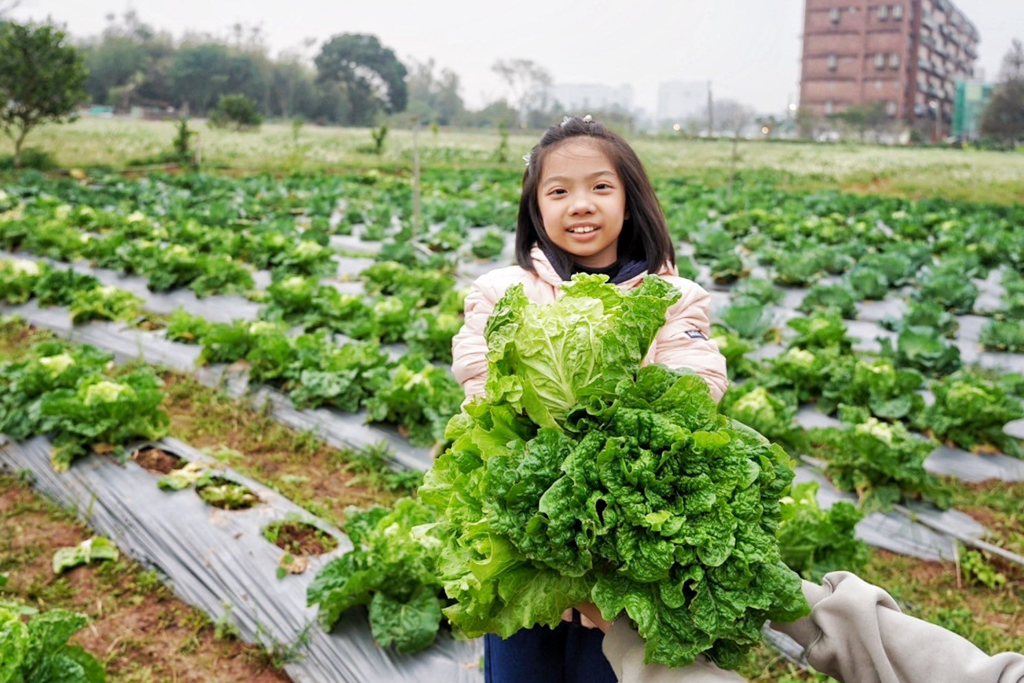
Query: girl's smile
[(582, 202)]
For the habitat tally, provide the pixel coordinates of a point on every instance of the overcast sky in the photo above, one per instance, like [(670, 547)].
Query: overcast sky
[(748, 49)]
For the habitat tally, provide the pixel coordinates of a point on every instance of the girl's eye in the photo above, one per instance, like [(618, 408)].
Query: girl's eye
[(602, 185)]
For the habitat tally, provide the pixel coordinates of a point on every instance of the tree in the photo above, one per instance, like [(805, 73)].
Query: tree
[(1004, 116), (118, 60), (770, 125), (526, 80), (202, 73), (41, 79), (869, 116), (236, 110), (369, 73), (433, 98), (807, 122)]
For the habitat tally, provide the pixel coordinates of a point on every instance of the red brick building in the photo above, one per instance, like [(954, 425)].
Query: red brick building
[(907, 54)]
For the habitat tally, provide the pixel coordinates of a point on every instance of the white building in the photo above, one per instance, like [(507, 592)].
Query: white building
[(681, 100)]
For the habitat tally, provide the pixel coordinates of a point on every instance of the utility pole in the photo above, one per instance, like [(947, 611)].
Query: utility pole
[(416, 218), (711, 114)]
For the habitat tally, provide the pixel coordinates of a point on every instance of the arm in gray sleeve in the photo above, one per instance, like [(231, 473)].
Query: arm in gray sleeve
[(625, 652), (857, 634)]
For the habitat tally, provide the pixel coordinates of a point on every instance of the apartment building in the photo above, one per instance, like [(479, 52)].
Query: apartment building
[(908, 55)]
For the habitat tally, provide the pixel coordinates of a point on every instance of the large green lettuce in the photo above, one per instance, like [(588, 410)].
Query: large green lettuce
[(545, 358), (583, 477)]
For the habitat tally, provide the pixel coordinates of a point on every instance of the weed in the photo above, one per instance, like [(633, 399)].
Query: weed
[(223, 627)]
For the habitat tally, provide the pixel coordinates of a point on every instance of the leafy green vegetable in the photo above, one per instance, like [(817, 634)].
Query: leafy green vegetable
[(545, 359), (748, 318), (815, 542), (923, 348), (760, 290), (878, 385), (100, 412), (881, 462), (1003, 335), (952, 290), (58, 287), (727, 268), (769, 414), (104, 303), (924, 314), (826, 298), (489, 245), (417, 396), (601, 480), (799, 268), (39, 650), (50, 365), (392, 569), (91, 550), (969, 411), (799, 373), (821, 332), (18, 279), (734, 348)]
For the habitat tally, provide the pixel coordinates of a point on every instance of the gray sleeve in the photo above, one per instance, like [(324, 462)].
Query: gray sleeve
[(857, 634), (625, 652)]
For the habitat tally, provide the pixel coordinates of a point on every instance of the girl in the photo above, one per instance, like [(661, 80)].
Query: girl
[(587, 207)]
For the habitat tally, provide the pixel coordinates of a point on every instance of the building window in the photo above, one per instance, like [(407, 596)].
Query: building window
[(829, 107), (890, 108), (894, 60), (833, 62), (833, 15), (878, 84), (897, 11), (879, 60), (883, 12)]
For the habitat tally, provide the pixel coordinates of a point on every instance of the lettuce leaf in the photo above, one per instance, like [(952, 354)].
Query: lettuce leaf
[(546, 358)]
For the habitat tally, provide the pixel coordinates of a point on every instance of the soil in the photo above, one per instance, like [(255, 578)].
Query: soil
[(303, 472), (158, 461), (304, 539), (137, 628)]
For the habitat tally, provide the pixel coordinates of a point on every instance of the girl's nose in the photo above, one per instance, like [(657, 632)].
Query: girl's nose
[(581, 204)]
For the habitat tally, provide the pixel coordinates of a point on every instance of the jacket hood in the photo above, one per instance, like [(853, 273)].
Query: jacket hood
[(547, 272)]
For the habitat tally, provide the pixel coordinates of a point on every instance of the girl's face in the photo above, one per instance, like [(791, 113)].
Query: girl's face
[(582, 202)]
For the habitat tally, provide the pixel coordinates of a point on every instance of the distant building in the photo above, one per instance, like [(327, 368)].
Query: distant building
[(681, 100), (908, 55), (583, 98), (971, 99)]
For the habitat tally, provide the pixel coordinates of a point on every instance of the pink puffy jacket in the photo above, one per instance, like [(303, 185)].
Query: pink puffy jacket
[(683, 342)]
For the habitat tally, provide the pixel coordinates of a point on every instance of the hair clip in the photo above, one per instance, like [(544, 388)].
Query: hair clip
[(565, 120), (587, 119), (526, 158)]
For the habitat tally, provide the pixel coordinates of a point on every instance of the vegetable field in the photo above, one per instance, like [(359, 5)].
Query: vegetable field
[(210, 368)]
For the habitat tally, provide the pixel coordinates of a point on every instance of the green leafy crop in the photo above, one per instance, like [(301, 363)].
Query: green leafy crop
[(582, 476), (815, 542), (392, 569)]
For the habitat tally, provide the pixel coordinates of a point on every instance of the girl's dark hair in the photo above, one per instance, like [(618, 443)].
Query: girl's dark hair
[(644, 234)]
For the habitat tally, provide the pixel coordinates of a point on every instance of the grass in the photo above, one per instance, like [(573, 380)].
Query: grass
[(892, 171)]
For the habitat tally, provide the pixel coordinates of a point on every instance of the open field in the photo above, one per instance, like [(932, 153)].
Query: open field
[(892, 171), (283, 258)]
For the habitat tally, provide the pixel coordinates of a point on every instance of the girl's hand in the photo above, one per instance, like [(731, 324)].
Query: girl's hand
[(590, 616)]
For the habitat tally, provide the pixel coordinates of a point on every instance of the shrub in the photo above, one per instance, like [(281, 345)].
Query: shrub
[(238, 111)]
